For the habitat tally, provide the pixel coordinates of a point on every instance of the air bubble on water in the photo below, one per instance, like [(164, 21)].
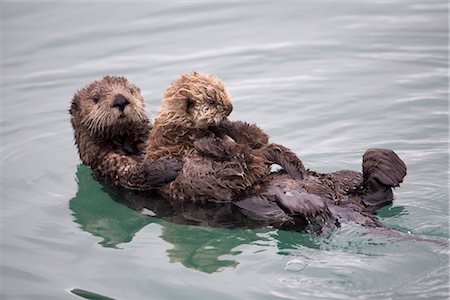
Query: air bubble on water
[(295, 265)]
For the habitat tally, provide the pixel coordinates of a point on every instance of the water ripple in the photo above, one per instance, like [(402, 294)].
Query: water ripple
[(325, 79)]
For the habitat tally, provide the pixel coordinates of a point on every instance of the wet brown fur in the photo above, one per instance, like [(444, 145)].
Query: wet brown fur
[(221, 158), (111, 140), (314, 202), (320, 202)]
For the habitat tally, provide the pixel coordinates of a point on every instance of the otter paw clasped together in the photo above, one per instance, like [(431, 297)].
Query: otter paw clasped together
[(204, 164)]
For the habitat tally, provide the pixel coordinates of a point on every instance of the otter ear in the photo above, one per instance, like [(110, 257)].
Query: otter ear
[(188, 104)]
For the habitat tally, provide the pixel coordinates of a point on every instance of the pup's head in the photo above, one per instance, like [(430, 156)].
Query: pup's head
[(200, 99)]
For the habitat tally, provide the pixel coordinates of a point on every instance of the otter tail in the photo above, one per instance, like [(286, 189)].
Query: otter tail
[(389, 232)]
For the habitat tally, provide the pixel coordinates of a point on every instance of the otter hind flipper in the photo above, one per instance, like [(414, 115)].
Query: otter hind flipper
[(260, 209), (382, 171), (383, 165), (303, 203), (303, 206)]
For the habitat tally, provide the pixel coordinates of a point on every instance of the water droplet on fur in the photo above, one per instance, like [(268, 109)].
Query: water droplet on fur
[(295, 265)]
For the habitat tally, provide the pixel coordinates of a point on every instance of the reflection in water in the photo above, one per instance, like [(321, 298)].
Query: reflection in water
[(97, 214), (203, 248), (196, 247)]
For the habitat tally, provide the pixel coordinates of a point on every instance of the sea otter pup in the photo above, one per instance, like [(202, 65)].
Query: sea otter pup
[(221, 158), (110, 128)]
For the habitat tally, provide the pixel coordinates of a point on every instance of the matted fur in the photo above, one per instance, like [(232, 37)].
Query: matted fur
[(221, 158)]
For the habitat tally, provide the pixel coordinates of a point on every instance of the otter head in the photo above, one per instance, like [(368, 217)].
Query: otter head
[(107, 106), (198, 100)]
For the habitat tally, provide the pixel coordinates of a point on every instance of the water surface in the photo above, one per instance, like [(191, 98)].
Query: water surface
[(327, 79)]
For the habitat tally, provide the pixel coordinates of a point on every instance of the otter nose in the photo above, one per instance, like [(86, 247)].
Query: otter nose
[(120, 102)]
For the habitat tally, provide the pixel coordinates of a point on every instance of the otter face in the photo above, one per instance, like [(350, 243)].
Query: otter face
[(200, 98), (105, 106)]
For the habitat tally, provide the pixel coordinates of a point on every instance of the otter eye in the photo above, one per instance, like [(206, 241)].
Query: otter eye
[(96, 98)]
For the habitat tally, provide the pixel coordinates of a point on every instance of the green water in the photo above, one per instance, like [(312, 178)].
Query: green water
[(327, 79)]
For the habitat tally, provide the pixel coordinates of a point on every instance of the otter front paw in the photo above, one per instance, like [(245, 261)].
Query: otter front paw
[(164, 169)]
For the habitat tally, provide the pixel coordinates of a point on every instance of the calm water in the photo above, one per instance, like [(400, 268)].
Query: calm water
[(326, 78)]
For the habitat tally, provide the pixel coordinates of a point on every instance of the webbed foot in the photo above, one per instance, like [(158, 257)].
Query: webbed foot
[(382, 171)]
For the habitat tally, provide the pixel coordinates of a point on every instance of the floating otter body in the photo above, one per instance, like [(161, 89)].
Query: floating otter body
[(321, 202), (110, 129), (110, 132), (222, 159), (316, 203)]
